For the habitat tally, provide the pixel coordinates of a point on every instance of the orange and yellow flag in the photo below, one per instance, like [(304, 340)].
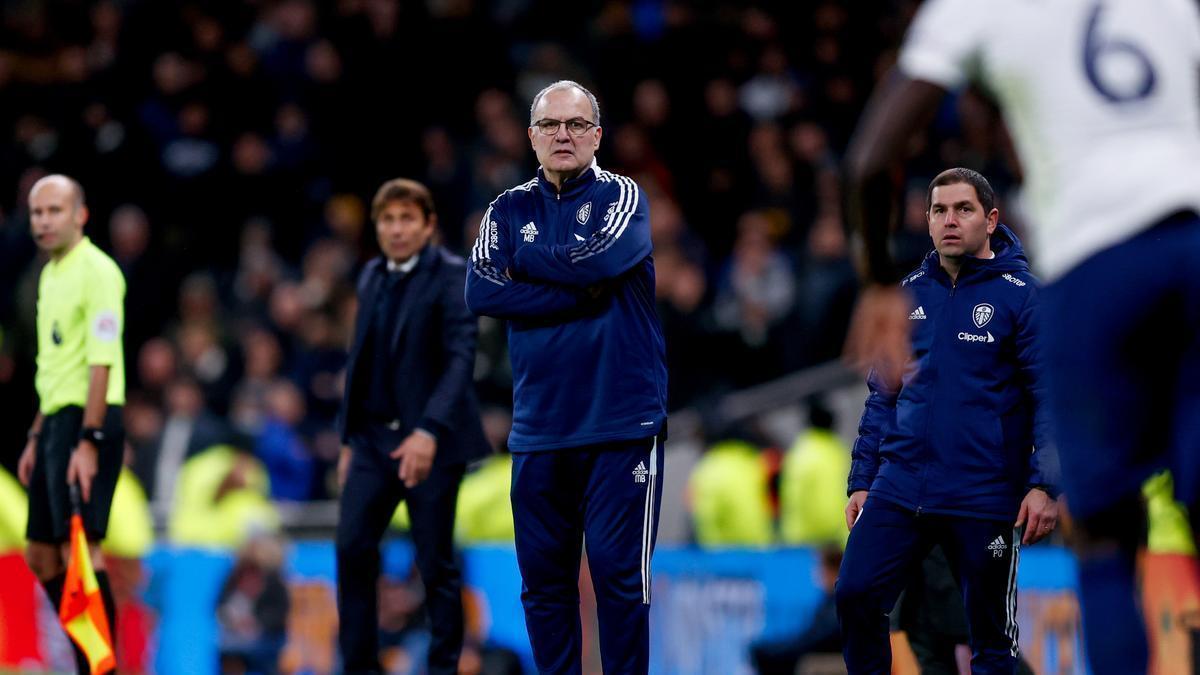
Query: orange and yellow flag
[(82, 609)]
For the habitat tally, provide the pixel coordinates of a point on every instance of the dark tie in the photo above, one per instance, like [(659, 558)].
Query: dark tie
[(380, 401)]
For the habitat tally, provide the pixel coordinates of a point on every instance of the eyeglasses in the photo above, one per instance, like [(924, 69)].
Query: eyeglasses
[(576, 126)]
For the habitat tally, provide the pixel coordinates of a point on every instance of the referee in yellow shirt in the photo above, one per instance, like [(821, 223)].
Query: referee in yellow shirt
[(77, 436)]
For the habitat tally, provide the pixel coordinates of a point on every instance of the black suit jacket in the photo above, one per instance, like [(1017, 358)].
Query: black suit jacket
[(433, 352)]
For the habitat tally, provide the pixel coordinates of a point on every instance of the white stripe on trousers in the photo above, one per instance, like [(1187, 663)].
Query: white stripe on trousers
[(1010, 608), (648, 523)]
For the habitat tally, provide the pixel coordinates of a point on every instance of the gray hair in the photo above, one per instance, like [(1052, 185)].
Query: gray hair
[(566, 84)]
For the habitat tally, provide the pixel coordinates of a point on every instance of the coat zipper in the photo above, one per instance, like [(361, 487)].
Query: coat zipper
[(932, 401)]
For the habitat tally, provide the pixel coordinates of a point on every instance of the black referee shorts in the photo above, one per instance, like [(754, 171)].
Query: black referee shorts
[(49, 495)]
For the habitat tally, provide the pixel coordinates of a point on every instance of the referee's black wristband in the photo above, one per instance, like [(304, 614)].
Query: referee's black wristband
[(94, 435), (32, 434)]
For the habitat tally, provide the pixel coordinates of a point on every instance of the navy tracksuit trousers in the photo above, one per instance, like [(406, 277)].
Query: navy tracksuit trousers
[(885, 550), (605, 494)]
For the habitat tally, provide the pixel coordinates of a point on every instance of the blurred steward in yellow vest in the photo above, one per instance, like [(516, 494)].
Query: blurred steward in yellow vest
[(220, 500), (728, 496), (812, 485)]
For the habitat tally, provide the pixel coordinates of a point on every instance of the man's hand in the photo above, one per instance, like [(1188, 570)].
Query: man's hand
[(1039, 515), (343, 465), (854, 508), (82, 468), (416, 455), (27, 461), (237, 478), (879, 333)]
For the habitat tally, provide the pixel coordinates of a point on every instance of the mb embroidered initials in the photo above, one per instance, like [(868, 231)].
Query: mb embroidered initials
[(530, 231), (640, 473)]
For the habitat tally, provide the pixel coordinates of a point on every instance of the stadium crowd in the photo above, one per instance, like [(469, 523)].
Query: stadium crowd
[(228, 152)]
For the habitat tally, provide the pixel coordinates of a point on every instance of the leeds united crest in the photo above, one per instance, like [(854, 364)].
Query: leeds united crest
[(982, 314)]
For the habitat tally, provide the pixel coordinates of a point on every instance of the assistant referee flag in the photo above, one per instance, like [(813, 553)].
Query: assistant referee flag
[(82, 609)]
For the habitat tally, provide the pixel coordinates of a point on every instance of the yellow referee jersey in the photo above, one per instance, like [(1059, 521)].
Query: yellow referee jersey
[(80, 315)]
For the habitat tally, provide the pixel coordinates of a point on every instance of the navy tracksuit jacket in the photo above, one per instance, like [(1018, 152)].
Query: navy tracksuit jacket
[(958, 437), (949, 457), (572, 273)]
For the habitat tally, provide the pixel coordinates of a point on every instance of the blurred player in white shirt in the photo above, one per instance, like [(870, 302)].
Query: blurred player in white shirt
[(1102, 98)]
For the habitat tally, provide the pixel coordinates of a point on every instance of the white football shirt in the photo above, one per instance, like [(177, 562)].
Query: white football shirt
[(1102, 98)]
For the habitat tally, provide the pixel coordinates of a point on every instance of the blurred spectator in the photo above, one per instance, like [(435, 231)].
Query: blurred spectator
[(318, 369), (282, 450), (188, 152), (292, 142), (775, 192), (147, 278), (812, 485), (200, 335), (721, 170), (263, 357), (680, 288), (403, 634), (189, 429), (207, 361), (157, 367), (826, 288), (448, 178), (144, 422), (912, 239), (286, 307), (326, 266), (773, 91), (758, 287), (637, 158), (16, 250), (757, 290), (652, 113), (252, 609), (259, 268), (345, 220), (823, 634), (669, 229), (318, 364)]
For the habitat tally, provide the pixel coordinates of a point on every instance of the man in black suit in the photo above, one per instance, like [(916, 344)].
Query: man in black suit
[(409, 424)]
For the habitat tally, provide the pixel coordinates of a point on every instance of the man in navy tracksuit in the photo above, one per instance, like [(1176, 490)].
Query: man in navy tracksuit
[(946, 455), (565, 259)]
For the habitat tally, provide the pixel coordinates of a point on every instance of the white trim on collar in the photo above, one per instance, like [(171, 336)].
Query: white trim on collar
[(594, 166), (406, 266)]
